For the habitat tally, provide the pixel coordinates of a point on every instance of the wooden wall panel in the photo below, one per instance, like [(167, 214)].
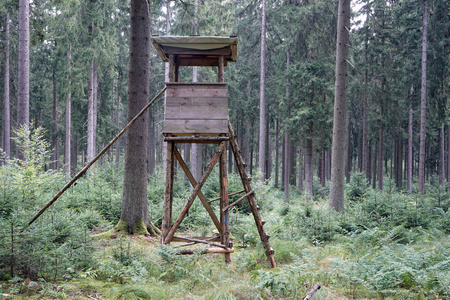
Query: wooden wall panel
[(196, 108)]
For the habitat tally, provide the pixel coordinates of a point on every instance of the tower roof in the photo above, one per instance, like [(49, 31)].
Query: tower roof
[(196, 50)]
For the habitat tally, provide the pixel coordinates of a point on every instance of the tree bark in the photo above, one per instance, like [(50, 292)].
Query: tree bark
[(262, 98), (91, 111), (423, 101), (134, 202), (380, 156), (410, 140), (309, 172), (286, 164), (68, 124), (340, 108), (442, 157), (277, 152), (6, 99), (23, 80), (55, 147)]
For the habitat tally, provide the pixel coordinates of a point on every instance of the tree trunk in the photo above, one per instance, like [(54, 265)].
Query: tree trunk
[(286, 164), (68, 124), (7, 105), (309, 172), (135, 217), (151, 143), (423, 101), (410, 140), (380, 156), (118, 143), (340, 108), (262, 98), (365, 158), (277, 153), (90, 121), (442, 157), (55, 151), (448, 158), (300, 170), (23, 80), (322, 173)]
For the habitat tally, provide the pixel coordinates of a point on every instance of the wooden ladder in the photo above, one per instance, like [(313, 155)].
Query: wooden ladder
[(250, 195)]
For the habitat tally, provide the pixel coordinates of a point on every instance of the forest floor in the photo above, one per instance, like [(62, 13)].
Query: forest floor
[(132, 267)]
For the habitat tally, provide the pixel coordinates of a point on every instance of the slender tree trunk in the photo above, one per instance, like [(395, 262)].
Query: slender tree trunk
[(380, 157), (166, 77), (286, 164), (6, 99), (410, 140), (55, 150), (442, 157), (68, 124), (277, 152), (151, 143), (90, 121), (135, 215), (300, 170), (423, 101), (340, 108), (365, 158), (322, 173), (349, 147), (23, 80), (118, 143), (448, 158), (309, 171), (262, 98)]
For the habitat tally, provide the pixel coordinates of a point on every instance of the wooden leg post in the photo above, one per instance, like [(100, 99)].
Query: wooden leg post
[(168, 193), (224, 217)]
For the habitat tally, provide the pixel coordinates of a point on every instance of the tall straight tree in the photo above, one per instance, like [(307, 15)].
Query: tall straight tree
[(67, 141), (6, 100), (340, 108), (423, 100), (23, 80), (135, 217), (262, 97)]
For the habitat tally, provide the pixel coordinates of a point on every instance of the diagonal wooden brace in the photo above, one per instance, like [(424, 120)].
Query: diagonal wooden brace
[(194, 193), (200, 194)]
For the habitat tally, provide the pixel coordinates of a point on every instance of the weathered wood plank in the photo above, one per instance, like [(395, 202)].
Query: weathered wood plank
[(195, 113), (196, 101), (195, 126), (196, 92)]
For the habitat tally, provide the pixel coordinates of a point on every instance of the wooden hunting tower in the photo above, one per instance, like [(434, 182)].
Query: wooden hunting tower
[(198, 113)]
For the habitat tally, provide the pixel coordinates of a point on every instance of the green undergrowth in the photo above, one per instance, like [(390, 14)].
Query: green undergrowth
[(387, 245)]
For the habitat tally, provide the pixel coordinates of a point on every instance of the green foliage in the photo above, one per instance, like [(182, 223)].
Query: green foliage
[(54, 243)]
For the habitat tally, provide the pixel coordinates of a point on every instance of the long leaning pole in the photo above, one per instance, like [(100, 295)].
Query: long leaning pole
[(81, 173)]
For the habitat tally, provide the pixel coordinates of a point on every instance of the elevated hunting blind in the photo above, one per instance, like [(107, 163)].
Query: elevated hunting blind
[(198, 113)]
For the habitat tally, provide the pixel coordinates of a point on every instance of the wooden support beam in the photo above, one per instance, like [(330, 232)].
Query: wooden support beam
[(100, 154), (168, 192), (200, 241), (221, 69), (209, 250), (229, 195), (171, 67), (238, 200), (199, 185), (197, 139), (224, 216), (200, 194), (251, 198)]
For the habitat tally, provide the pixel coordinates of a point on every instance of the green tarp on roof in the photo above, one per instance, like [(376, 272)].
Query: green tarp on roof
[(196, 42)]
